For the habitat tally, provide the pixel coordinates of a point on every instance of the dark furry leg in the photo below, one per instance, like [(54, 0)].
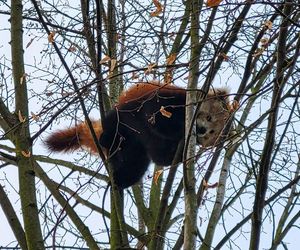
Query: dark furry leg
[(162, 152), (129, 163), (129, 160)]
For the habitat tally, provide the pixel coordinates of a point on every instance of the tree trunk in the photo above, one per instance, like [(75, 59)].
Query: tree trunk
[(21, 135)]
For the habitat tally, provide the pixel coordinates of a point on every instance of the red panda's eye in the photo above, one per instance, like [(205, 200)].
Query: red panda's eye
[(208, 118)]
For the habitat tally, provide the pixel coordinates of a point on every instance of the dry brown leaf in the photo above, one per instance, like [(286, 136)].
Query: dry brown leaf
[(21, 118), (207, 186), (213, 3), (156, 175), (72, 48), (168, 77), (23, 78), (155, 13), (213, 185), (150, 68), (234, 106), (134, 76), (104, 60), (159, 9), (51, 37), (110, 74), (171, 59), (225, 57), (157, 4), (268, 24), (113, 64), (165, 112), (26, 154), (264, 42), (258, 52), (34, 116)]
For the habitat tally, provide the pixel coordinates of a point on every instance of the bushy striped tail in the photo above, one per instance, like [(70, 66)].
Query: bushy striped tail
[(71, 139)]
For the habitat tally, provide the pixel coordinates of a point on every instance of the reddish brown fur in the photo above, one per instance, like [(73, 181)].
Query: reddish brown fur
[(147, 89), (73, 138)]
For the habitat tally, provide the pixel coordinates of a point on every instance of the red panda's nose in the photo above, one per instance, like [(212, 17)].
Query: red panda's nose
[(201, 130)]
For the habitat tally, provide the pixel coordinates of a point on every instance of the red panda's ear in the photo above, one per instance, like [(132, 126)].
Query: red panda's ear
[(220, 92)]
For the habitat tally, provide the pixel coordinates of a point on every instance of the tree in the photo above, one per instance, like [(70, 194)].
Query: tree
[(62, 63)]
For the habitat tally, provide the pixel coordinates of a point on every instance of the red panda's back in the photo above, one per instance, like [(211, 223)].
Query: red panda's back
[(146, 90)]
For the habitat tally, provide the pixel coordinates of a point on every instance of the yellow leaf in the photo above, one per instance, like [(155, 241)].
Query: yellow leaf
[(171, 59), (165, 112), (156, 175), (51, 37), (26, 154), (21, 118), (213, 3)]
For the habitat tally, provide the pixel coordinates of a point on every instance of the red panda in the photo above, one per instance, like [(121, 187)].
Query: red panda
[(147, 124)]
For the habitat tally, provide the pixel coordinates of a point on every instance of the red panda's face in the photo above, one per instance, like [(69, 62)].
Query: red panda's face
[(211, 120)]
